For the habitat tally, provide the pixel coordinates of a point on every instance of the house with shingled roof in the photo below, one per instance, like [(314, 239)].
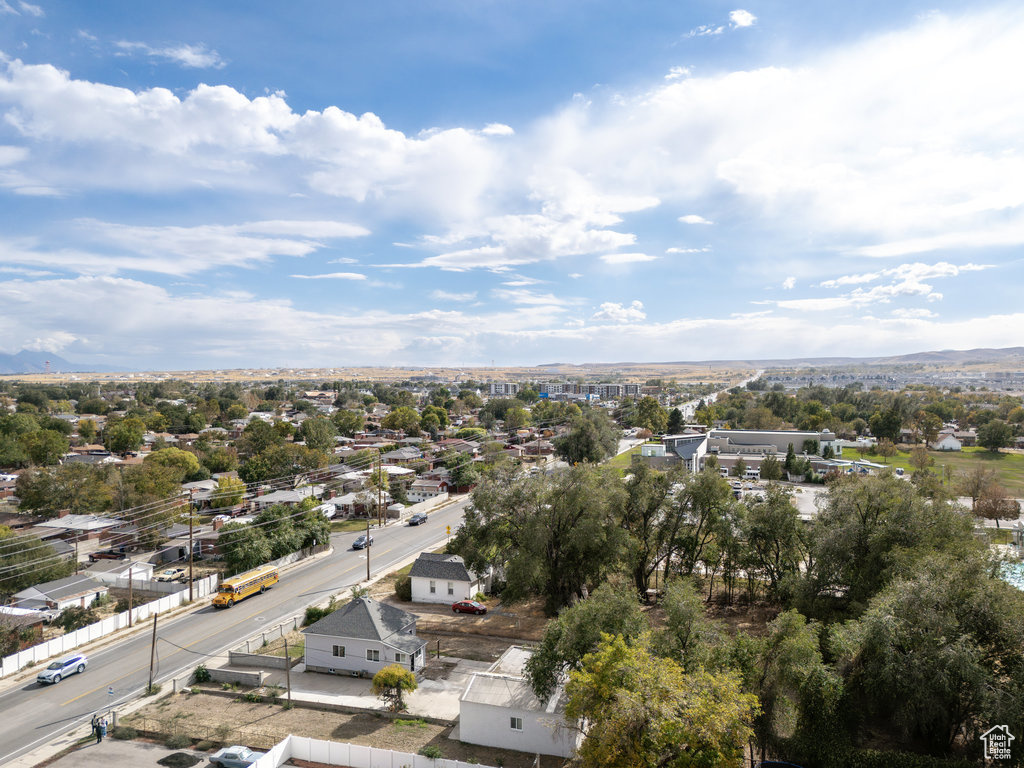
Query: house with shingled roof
[(362, 638), (442, 578)]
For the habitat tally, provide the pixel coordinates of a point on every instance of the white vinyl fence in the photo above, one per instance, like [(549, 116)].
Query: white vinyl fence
[(61, 645), (351, 755)]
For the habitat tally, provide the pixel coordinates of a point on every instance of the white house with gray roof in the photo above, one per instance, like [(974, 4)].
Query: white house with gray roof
[(441, 578), (72, 591), (362, 638), (499, 709)]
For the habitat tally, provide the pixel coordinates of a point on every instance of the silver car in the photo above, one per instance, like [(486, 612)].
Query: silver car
[(58, 670)]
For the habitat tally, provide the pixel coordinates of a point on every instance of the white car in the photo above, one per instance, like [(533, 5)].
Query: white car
[(171, 574), (235, 757), (58, 670)]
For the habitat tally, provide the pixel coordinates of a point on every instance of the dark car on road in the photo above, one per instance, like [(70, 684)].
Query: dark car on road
[(419, 517), (469, 606), (362, 541)]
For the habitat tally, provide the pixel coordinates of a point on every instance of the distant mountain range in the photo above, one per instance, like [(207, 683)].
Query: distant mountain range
[(28, 361)]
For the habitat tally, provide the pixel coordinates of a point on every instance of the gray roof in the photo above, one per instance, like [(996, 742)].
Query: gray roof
[(364, 619), (70, 586), (434, 566)]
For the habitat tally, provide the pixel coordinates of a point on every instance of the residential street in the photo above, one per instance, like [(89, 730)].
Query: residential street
[(34, 714)]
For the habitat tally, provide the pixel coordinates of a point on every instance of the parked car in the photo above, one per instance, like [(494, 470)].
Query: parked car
[(469, 606), (235, 757), (108, 554), (171, 574), (419, 517), (58, 670), (362, 542)]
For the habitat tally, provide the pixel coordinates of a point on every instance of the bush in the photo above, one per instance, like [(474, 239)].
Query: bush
[(122, 605), (432, 751), (403, 588), (253, 698), (178, 741), (206, 746), (124, 732), (201, 674), (314, 614), (152, 690)]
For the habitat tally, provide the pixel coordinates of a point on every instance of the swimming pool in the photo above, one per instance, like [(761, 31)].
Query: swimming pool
[(1014, 573)]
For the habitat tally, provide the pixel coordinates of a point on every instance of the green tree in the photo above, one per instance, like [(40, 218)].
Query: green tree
[(185, 463), (643, 710), (236, 411), (87, 430), (517, 418), (770, 468), (592, 437), (228, 493), (390, 684), (45, 447), (318, 434), (257, 437), (772, 530), (611, 610), (643, 510), (124, 435), (403, 418), (25, 561), (76, 617), (348, 422), (688, 634), (872, 530), (553, 535), (675, 422), (79, 488), (243, 547), (650, 415), (937, 655), (994, 435), (777, 671), (281, 461), (13, 453)]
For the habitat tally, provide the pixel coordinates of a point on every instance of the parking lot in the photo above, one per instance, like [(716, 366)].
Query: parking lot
[(111, 753)]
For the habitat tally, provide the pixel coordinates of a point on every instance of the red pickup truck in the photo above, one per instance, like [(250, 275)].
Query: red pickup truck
[(108, 554)]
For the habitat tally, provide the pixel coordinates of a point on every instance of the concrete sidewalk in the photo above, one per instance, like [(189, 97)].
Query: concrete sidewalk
[(437, 699)]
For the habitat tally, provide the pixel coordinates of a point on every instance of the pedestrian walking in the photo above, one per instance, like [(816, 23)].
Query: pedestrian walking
[(102, 730)]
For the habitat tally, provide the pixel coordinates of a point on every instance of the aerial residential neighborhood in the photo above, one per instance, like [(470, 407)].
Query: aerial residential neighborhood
[(575, 384)]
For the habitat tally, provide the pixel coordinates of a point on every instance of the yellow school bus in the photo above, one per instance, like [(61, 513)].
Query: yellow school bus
[(244, 584)]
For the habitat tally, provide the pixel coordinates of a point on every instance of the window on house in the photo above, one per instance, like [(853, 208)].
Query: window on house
[(451, 588), (399, 658), (372, 655), (517, 723), (433, 587), (339, 651)]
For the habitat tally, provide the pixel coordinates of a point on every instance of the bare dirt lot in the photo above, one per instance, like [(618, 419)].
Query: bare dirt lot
[(230, 720)]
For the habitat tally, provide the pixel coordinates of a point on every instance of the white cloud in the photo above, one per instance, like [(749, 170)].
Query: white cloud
[(693, 218), (706, 29), (6, 8), (912, 314), (497, 129), (191, 56), (617, 313), (741, 18), (332, 276), (575, 275), (531, 298), (626, 258), (788, 283), (176, 250), (675, 249), (904, 280), (677, 73), (449, 296)]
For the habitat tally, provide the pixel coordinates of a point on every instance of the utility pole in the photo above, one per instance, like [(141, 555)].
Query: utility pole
[(191, 518), (380, 491), (152, 657), (367, 547), (288, 670), (131, 583)]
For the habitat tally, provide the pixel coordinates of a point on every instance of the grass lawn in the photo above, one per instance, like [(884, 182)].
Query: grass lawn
[(348, 526), (623, 461), (1009, 467)]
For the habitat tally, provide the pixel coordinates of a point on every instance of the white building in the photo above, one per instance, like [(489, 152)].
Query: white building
[(362, 638), (948, 443), (440, 578), (499, 709)]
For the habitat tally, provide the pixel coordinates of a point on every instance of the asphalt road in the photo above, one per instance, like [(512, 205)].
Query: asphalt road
[(33, 714)]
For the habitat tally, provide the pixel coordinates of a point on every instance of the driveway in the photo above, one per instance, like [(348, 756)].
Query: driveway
[(111, 753)]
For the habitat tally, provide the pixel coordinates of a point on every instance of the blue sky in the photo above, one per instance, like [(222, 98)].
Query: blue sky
[(240, 184)]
